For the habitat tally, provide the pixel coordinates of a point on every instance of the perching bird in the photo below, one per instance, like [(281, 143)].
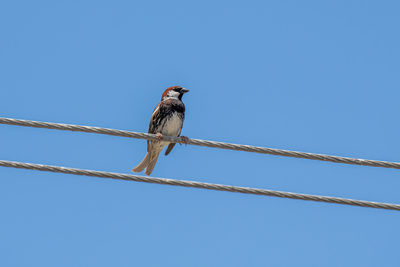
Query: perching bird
[(167, 119)]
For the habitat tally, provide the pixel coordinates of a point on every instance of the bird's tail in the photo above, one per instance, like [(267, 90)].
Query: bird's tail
[(142, 165), (148, 163), (152, 162)]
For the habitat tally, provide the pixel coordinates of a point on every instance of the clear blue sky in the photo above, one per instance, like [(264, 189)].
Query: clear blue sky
[(315, 76)]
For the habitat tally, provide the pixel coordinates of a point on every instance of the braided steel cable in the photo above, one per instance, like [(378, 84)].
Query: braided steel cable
[(209, 186), (199, 142)]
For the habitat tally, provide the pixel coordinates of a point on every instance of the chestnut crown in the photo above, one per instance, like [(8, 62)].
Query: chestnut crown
[(174, 92)]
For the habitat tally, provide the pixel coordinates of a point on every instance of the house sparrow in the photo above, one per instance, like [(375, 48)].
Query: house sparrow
[(167, 119)]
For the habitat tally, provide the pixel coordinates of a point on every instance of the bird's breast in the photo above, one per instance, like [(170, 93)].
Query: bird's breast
[(172, 125)]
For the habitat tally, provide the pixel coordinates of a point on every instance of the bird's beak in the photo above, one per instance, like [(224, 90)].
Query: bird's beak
[(184, 90)]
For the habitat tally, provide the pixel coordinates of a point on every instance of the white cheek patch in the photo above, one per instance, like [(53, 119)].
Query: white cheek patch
[(172, 93)]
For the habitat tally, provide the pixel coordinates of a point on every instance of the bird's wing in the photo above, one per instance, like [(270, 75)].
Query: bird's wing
[(169, 148), (154, 122)]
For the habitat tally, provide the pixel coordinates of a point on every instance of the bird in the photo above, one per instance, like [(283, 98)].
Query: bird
[(167, 119)]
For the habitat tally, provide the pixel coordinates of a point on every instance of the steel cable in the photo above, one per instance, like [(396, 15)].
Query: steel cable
[(199, 142), (185, 183)]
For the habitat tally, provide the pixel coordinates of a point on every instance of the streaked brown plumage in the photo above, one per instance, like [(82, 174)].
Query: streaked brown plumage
[(167, 119)]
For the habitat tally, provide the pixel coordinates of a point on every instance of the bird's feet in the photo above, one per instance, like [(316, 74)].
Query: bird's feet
[(159, 136), (185, 140)]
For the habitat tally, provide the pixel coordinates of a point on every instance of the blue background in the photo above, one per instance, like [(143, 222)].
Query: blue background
[(314, 76)]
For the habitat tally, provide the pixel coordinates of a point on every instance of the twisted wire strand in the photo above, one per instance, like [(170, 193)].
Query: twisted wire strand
[(209, 186), (199, 142)]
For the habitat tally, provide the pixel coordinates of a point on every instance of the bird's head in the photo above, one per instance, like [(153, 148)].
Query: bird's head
[(174, 92)]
